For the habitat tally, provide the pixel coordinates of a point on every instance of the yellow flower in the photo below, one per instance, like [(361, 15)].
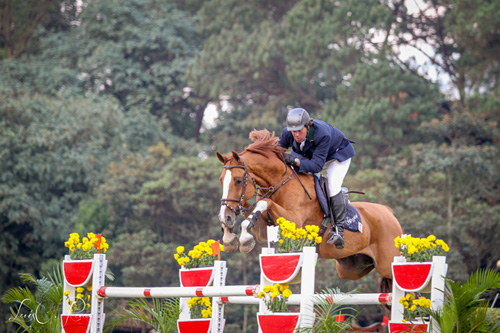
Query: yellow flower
[(66, 293), (180, 249), (287, 293), (283, 286)]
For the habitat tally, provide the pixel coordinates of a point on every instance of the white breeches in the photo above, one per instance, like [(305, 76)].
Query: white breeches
[(336, 172)]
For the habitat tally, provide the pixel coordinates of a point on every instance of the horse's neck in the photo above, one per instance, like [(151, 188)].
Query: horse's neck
[(266, 176)]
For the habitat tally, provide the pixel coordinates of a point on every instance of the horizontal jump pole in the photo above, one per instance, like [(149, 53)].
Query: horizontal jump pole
[(162, 292), (237, 294), (352, 299)]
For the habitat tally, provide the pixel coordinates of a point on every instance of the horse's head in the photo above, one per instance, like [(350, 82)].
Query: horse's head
[(260, 162), (238, 186)]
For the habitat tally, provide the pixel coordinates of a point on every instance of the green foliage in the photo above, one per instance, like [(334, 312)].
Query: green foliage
[(143, 259), (181, 203), (326, 310), (463, 36), (20, 19), (162, 315), (137, 51), (464, 308), (52, 151), (450, 189), (92, 215), (37, 311), (380, 107)]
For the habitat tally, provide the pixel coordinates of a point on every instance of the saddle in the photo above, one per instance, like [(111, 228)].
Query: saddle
[(352, 220)]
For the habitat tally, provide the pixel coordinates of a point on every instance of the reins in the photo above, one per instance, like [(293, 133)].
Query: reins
[(263, 192)]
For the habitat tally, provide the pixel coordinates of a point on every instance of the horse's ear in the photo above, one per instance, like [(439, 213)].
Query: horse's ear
[(236, 156), (221, 158)]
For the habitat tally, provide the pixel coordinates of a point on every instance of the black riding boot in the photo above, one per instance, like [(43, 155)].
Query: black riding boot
[(338, 204)]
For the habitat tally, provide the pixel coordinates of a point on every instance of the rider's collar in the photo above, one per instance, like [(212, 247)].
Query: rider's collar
[(310, 133)]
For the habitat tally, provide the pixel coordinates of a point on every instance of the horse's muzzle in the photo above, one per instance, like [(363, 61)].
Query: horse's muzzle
[(227, 217)]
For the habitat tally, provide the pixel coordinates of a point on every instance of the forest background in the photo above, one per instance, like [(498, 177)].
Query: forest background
[(103, 124)]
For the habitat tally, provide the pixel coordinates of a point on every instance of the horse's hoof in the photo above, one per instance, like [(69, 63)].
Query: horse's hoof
[(232, 245), (247, 246)]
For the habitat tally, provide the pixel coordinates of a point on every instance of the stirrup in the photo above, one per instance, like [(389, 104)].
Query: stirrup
[(335, 238)]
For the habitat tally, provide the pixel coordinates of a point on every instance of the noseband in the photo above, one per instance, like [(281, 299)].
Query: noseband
[(240, 207), (269, 191)]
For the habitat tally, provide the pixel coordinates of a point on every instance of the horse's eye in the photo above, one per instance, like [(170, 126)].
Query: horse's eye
[(238, 181)]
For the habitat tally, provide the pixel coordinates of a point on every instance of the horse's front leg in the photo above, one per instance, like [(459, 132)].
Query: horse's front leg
[(258, 217)]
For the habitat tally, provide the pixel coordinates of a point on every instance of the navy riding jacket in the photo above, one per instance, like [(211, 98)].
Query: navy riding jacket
[(322, 144)]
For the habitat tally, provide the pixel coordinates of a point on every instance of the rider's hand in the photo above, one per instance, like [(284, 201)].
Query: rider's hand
[(291, 160)]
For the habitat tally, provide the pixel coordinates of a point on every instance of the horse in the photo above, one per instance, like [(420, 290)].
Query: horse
[(260, 171)]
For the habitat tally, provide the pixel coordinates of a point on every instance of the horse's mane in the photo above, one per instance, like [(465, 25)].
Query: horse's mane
[(265, 144)]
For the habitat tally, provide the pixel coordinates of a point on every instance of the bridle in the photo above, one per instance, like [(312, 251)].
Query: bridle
[(269, 191)]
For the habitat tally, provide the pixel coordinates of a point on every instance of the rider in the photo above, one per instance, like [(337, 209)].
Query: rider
[(317, 146)]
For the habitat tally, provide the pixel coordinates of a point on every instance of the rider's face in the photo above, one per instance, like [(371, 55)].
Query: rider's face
[(300, 135)]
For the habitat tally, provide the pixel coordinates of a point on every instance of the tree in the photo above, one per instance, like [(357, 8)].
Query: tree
[(325, 56), (464, 39), (52, 152), (450, 188), (138, 52), (19, 20)]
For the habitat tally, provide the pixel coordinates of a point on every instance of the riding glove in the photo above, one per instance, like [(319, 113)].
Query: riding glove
[(291, 160)]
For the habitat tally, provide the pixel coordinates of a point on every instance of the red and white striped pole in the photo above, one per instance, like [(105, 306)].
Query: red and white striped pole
[(162, 292), (344, 299)]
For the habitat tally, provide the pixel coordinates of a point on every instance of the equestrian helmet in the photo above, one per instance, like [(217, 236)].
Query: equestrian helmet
[(297, 118)]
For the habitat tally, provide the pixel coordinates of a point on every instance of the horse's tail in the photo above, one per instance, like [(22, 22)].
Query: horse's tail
[(385, 286)]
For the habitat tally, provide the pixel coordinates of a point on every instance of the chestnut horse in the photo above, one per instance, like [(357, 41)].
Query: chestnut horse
[(260, 170)]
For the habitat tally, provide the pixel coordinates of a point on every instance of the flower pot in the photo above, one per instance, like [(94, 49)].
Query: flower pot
[(77, 273), (278, 322), (412, 276), (196, 277), (201, 325), (407, 327), (280, 267), (76, 323)]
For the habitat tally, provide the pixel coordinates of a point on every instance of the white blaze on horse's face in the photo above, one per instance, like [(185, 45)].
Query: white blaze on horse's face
[(225, 193)]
